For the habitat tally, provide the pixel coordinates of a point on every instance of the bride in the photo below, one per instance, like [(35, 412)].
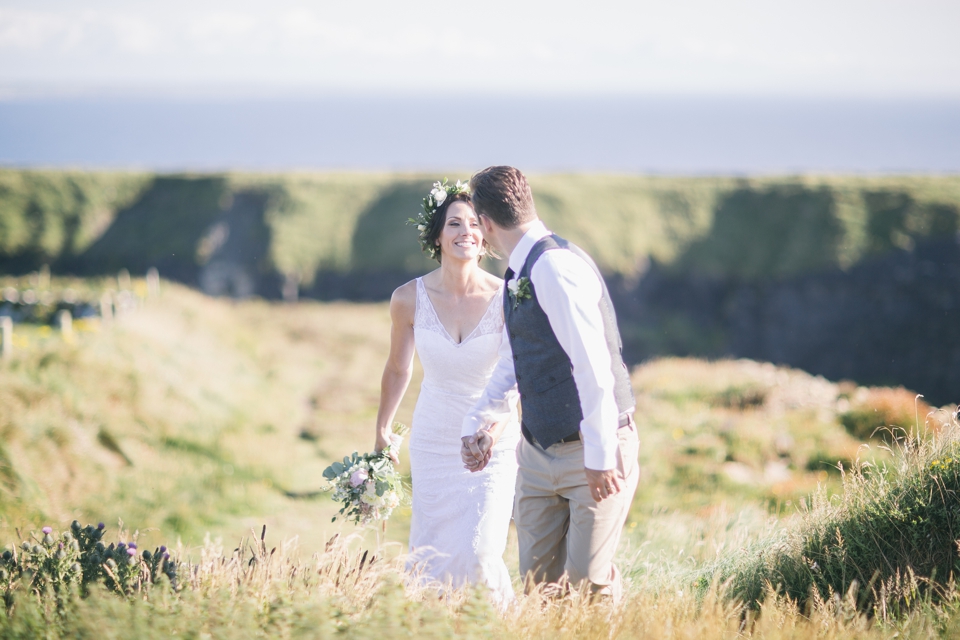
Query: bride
[(453, 318)]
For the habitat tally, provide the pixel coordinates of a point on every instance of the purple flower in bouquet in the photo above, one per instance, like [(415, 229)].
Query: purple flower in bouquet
[(358, 477)]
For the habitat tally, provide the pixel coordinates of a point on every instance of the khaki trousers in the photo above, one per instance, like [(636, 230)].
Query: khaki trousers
[(563, 532)]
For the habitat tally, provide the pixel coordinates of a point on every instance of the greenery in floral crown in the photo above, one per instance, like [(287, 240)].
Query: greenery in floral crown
[(437, 196)]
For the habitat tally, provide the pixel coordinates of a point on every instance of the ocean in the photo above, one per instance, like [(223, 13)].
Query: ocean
[(653, 135)]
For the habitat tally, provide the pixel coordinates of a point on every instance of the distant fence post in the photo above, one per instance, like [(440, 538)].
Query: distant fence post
[(106, 307), (65, 319), (6, 336), (291, 287), (153, 282)]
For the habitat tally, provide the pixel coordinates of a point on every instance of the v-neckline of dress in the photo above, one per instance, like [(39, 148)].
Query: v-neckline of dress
[(446, 333)]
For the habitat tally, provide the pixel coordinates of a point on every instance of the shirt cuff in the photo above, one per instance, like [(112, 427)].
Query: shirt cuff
[(600, 458), (471, 424)]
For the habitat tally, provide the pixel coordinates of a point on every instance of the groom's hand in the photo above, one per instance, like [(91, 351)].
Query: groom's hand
[(604, 484), (476, 451)]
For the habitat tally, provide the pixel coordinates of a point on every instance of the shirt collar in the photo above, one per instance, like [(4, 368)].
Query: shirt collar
[(533, 235)]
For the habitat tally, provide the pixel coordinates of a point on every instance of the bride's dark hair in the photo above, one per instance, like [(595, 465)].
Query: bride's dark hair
[(435, 228)]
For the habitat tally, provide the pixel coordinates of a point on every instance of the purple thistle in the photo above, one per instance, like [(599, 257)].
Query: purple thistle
[(101, 526), (47, 530), (166, 556), (132, 545), (163, 549), (131, 551)]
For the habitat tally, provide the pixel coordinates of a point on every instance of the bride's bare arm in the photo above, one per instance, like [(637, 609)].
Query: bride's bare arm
[(399, 367)]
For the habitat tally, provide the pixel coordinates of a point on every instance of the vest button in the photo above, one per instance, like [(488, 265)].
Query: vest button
[(518, 377)]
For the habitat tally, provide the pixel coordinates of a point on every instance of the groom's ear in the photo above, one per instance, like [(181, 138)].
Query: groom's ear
[(486, 223)]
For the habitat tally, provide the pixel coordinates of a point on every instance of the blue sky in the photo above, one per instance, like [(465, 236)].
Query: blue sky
[(814, 48)]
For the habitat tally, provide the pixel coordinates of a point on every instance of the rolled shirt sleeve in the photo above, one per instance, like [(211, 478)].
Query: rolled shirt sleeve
[(569, 292), (499, 398)]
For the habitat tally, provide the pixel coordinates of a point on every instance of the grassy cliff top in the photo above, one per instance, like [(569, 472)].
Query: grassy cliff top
[(744, 228)]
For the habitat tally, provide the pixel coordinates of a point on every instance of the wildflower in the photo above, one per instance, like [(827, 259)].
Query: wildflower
[(100, 526), (131, 551), (47, 530), (163, 549), (132, 545)]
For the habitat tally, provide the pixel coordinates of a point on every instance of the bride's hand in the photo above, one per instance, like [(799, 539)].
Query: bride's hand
[(383, 443), (477, 450)]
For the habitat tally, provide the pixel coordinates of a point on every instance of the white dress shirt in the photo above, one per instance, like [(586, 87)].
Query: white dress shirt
[(569, 292)]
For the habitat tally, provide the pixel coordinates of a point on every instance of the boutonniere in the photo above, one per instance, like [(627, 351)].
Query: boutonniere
[(519, 290)]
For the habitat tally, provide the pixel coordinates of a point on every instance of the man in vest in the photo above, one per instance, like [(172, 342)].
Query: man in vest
[(561, 348)]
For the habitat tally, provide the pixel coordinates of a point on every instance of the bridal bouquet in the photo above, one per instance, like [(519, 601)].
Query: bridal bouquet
[(368, 485)]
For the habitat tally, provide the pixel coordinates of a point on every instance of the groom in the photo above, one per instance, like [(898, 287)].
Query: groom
[(561, 347)]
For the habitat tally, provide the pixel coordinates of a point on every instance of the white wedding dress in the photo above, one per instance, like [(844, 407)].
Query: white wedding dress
[(460, 519)]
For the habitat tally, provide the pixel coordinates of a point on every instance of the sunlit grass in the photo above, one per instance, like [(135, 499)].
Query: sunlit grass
[(198, 419)]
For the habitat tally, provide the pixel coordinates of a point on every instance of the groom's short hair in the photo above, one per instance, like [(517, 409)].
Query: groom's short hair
[(502, 194)]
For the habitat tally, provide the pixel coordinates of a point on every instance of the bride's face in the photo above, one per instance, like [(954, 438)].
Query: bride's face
[(461, 237)]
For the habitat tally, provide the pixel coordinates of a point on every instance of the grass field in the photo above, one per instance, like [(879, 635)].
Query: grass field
[(199, 420)]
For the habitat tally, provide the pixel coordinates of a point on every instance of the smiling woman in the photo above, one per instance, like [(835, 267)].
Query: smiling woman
[(448, 225)]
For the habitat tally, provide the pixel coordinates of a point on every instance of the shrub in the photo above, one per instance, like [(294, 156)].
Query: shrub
[(70, 562), (884, 413)]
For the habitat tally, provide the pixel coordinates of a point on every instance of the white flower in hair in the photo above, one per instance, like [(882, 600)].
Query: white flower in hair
[(439, 195)]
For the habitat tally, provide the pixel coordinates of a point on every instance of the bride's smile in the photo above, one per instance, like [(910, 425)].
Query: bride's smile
[(461, 237)]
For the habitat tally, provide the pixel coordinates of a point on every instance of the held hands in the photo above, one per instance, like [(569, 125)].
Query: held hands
[(604, 484), (477, 450)]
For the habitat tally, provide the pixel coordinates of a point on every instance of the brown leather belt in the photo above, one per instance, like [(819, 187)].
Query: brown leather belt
[(625, 420)]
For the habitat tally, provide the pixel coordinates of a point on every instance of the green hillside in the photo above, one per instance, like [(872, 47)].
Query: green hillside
[(340, 223)]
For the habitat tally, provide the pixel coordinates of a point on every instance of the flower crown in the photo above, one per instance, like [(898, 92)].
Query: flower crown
[(437, 196)]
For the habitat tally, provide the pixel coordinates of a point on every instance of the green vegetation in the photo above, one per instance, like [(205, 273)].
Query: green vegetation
[(748, 229), (197, 419), (886, 543)]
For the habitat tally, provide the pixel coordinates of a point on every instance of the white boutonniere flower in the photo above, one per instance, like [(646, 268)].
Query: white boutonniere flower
[(519, 289)]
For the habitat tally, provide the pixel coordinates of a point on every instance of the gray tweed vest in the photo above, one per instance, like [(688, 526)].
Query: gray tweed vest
[(549, 398)]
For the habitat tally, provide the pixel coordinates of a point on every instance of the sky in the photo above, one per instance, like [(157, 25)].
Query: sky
[(811, 48)]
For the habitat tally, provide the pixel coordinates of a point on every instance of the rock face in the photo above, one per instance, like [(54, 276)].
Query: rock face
[(891, 320)]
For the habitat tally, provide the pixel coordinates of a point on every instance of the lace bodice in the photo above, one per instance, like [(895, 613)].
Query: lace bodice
[(426, 316), (460, 368)]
